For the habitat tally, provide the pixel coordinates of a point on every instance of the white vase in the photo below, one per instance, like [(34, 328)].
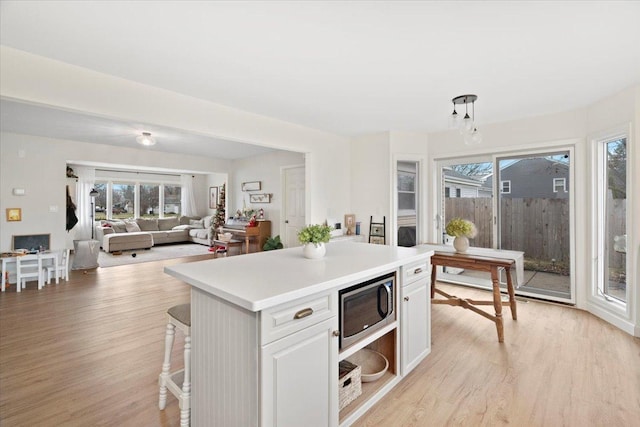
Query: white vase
[(461, 243), (314, 250)]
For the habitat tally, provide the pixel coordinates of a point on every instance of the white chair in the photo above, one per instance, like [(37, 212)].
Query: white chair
[(28, 267), (178, 316), (61, 270)]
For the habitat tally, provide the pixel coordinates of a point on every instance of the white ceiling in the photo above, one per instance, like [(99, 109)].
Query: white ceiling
[(344, 67), (37, 120)]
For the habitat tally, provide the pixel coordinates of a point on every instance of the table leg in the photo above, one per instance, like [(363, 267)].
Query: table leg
[(433, 280), (497, 303), (4, 273), (512, 295), (246, 242)]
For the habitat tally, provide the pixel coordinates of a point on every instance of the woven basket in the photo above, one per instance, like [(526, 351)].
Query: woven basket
[(349, 384)]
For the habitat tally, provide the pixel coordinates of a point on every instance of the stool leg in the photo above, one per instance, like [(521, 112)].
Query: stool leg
[(185, 408), (166, 366)]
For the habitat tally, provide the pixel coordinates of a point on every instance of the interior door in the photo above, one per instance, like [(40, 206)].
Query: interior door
[(294, 204), (408, 203)]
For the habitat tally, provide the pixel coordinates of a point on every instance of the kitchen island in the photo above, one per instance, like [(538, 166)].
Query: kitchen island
[(265, 331)]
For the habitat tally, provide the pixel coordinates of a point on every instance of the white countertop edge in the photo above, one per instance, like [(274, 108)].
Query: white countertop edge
[(265, 303)]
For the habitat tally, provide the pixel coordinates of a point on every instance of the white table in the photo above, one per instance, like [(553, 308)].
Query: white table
[(11, 261)]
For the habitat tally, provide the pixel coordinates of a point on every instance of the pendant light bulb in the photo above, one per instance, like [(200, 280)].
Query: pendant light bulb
[(454, 119)]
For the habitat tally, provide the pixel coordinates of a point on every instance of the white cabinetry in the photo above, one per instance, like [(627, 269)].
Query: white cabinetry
[(415, 315), (300, 378)]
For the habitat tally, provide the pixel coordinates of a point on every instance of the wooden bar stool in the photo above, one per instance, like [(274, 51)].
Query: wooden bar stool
[(178, 316)]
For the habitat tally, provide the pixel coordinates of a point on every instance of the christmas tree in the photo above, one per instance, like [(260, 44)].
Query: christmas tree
[(219, 219)]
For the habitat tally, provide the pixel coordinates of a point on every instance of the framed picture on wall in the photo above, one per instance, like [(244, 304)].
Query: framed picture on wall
[(213, 197), (14, 214), (260, 198), (252, 186)]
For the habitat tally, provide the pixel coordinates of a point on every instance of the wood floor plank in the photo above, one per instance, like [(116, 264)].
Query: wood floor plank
[(88, 352)]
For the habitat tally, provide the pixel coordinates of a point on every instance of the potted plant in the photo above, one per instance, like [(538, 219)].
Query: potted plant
[(272, 243), (462, 230), (313, 237)]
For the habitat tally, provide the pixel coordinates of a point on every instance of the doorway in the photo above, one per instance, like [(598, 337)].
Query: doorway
[(293, 182), (407, 203), (519, 202)]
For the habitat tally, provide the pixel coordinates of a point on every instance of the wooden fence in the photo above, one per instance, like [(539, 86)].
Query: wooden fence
[(537, 226)]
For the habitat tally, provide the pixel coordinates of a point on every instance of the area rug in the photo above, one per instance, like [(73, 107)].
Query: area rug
[(156, 253)]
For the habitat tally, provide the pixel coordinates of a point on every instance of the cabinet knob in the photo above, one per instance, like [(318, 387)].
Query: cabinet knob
[(406, 298), (336, 333)]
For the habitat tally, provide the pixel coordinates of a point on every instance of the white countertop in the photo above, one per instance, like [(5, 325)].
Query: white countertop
[(265, 279)]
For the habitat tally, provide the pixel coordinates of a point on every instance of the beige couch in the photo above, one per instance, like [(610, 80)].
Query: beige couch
[(143, 233)]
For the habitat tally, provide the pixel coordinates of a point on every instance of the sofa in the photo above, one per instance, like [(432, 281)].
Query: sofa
[(144, 233)]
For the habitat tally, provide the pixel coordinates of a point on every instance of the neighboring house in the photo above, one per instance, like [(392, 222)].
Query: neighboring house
[(459, 185), (534, 178)]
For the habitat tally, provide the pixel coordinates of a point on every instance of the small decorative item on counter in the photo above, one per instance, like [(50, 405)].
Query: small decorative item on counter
[(462, 230), (261, 213), (314, 237), (357, 228)]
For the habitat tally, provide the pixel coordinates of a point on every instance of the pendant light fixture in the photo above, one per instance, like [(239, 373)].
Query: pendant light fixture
[(146, 139), (466, 125)]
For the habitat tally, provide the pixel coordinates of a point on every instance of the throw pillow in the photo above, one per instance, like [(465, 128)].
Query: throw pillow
[(131, 226), (182, 227), (119, 227), (196, 223), (184, 220)]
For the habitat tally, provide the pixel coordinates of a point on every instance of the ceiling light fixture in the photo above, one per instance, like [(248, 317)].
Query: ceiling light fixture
[(466, 125), (146, 139)]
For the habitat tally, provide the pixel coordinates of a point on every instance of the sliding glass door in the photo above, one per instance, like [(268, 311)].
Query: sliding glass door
[(534, 216), (518, 202)]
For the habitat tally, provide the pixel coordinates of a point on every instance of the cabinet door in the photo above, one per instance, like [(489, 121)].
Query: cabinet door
[(299, 380), (416, 324)]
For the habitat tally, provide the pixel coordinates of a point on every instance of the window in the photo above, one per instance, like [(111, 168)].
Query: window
[(406, 192), (559, 185), (149, 200), (505, 187), (612, 220), (172, 200), (100, 200), (458, 192), (122, 200), (447, 192)]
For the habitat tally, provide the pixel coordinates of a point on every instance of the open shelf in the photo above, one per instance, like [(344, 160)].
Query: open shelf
[(366, 341), (384, 341)]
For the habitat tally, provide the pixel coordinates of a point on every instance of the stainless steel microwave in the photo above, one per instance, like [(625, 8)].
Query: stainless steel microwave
[(365, 308)]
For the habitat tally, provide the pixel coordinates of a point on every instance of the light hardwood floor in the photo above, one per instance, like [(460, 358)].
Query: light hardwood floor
[(88, 353)]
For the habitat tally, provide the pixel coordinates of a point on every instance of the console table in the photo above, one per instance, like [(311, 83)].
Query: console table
[(479, 263)]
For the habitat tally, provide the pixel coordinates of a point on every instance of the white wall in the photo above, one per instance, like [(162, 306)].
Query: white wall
[(41, 171), (31, 78), (568, 128), (370, 181)]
